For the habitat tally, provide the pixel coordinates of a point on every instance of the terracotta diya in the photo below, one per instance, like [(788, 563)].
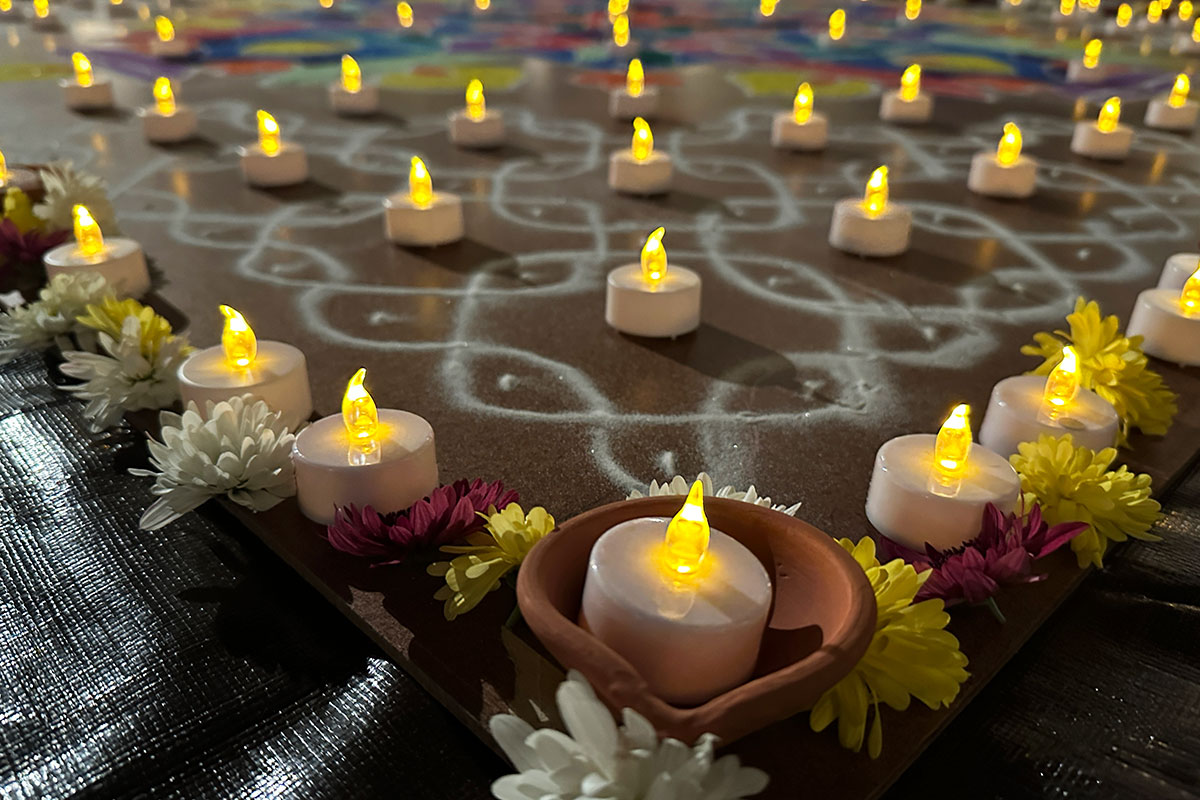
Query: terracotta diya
[(821, 622)]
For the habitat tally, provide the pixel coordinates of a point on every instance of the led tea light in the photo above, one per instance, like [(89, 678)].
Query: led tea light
[(910, 12), (421, 218), (1087, 69), (650, 299), (1175, 112), (1024, 407), (1064, 13), (86, 92), (907, 104), (620, 31), (683, 603), (872, 226), (836, 30), (635, 99), (349, 95), (404, 15), (1168, 321), (366, 456), (118, 259), (167, 122), (272, 371), (1177, 269), (1183, 14), (1004, 173), (166, 44), (1153, 18), (802, 128), (1120, 27), (475, 125), (271, 161), (44, 18), (1106, 138), (640, 169), (929, 489)]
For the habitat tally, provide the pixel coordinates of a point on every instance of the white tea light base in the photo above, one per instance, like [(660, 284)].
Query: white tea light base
[(1167, 333), (1165, 117), (477, 133), (852, 231), (177, 48), (163, 129), (97, 97), (630, 176), (1015, 414), (286, 168), (787, 134), (1078, 73), (440, 222), (1177, 270), (1088, 140), (989, 177), (670, 309), (123, 264), (279, 376), (354, 104), (894, 108), (901, 506), (329, 472), (622, 105)]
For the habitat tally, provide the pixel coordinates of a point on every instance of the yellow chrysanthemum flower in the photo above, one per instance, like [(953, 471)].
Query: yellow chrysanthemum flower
[(911, 655), (1074, 484), (488, 556), (109, 315), (1113, 366), (19, 209)]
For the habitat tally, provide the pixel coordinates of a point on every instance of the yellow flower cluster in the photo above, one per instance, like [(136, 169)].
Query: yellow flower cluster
[(109, 315), (1074, 484), (1113, 366), (19, 209), (911, 655)]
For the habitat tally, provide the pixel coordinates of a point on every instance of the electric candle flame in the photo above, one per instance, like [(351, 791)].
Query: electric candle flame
[(83, 69), (654, 257), (238, 339), (1062, 384), (404, 13), (359, 413), (164, 98), (87, 232), (912, 9), (1154, 12), (767, 7), (1196, 32), (837, 25), (1066, 7), (1091, 53), (268, 133), (351, 75), (1110, 115), (3, 169), (41, 8), (1189, 298), (483, 5), (164, 29), (802, 106), (616, 8), (1179, 92), (325, 3), (420, 185), (635, 78), (876, 198), (1185, 10), (476, 108), (953, 443), (5, 6), (910, 83), (687, 535), (1009, 150), (1014, 3), (1124, 15), (643, 140), (621, 30)]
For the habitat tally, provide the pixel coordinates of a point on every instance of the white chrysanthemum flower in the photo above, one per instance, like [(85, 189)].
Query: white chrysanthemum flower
[(121, 378), (599, 760), (54, 314), (67, 187), (241, 450), (679, 486)]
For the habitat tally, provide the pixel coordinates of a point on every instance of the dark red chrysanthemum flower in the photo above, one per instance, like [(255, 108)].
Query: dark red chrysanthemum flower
[(26, 248)]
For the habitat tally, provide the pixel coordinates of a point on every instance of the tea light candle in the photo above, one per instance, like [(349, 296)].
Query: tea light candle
[(635, 99), (1119, 27), (909, 13), (836, 32), (476, 126), (44, 20), (165, 43), (648, 299), (620, 33), (1189, 43), (404, 14), (1173, 112), (165, 122), (118, 259), (1087, 69), (272, 162), (367, 456), (1177, 269), (272, 371), (1105, 139), (686, 605), (871, 226), (422, 218), (1024, 407), (1169, 322), (640, 170), (86, 92), (1183, 14), (1153, 18), (907, 104), (1005, 173), (933, 489), (1064, 14), (350, 96), (803, 128)]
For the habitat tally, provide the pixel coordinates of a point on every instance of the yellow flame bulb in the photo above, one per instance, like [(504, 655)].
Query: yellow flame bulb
[(87, 232), (268, 134), (3, 169), (767, 7), (351, 75), (687, 535), (420, 184), (1062, 384), (5, 6), (837, 24), (483, 5), (1124, 15), (1091, 54), (164, 29), (1154, 12), (654, 258), (83, 69), (1110, 115), (1066, 7), (1185, 10), (164, 98), (953, 443), (910, 83), (1189, 298), (635, 78), (643, 140), (1196, 32), (876, 197), (621, 30), (325, 3), (1179, 92), (616, 8), (41, 8), (912, 9), (802, 106), (1009, 150), (237, 339), (476, 107), (404, 13), (359, 413)]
